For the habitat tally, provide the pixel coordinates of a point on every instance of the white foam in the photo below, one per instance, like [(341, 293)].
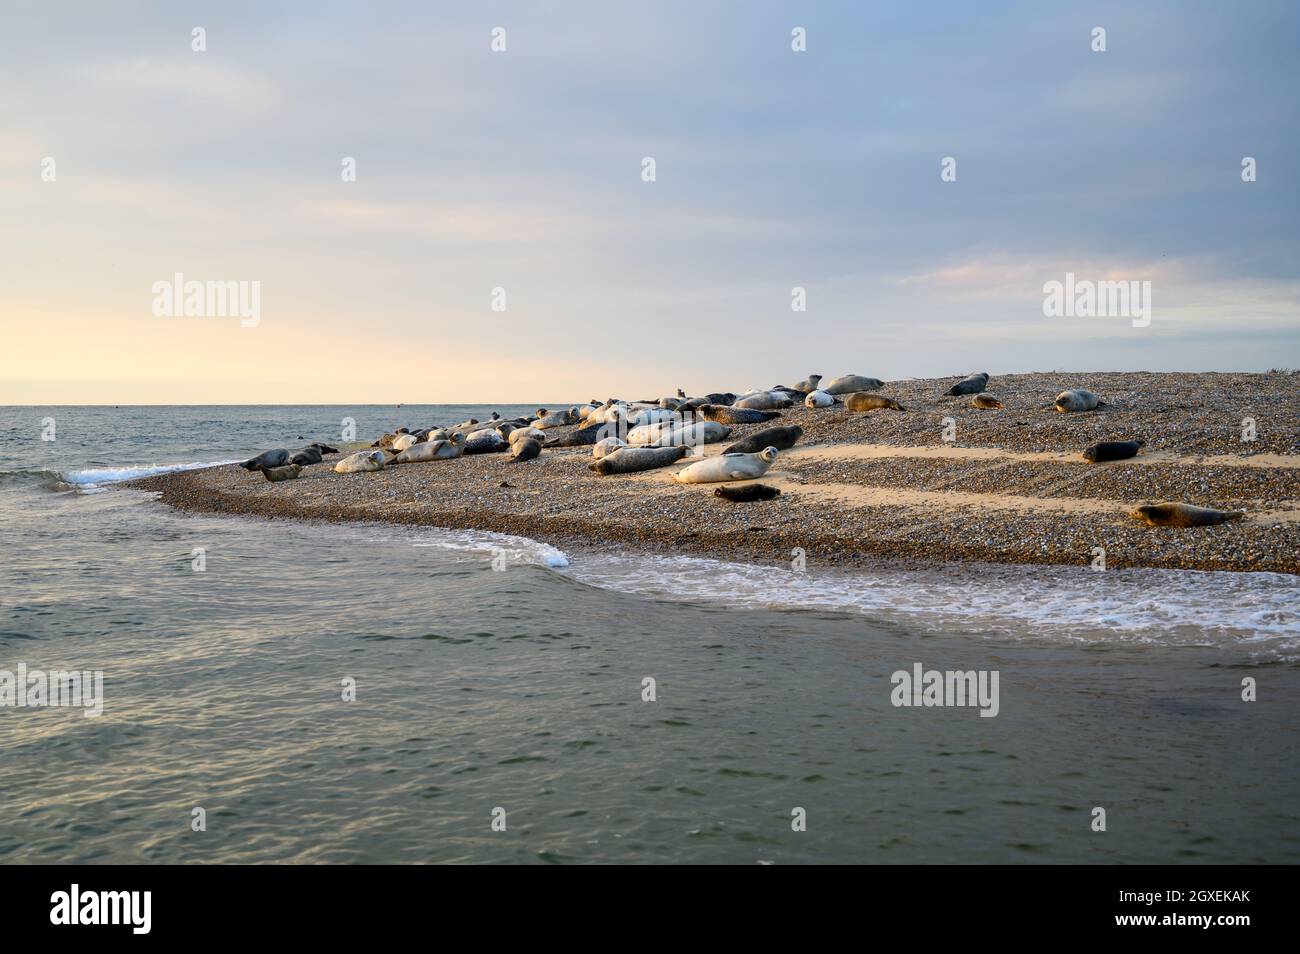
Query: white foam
[(516, 550), (1172, 607), (85, 480)]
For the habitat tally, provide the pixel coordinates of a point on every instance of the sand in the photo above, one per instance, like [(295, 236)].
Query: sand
[(861, 488)]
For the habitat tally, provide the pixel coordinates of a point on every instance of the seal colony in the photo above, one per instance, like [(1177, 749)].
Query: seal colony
[(1021, 482)]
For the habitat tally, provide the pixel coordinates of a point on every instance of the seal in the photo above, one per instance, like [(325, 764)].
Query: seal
[(734, 415), (746, 493), (402, 441), (647, 435), (1113, 450), (606, 445), (432, 450), (1183, 515), (1078, 399), (973, 384), (764, 401), (818, 399), (486, 441), (782, 438), (360, 462), (986, 401), (585, 436), (526, 449), (656, 415), (272, 458), (519, 433), (629, 460), (547, 419), (308, 455), (697, 432), (849, 383), (727, 467), (286, 472), (862, 401), (808, 384)]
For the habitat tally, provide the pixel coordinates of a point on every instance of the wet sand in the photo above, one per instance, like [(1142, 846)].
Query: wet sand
[(861, 487)]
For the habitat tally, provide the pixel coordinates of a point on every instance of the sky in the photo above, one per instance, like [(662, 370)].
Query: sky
[(523, 170)]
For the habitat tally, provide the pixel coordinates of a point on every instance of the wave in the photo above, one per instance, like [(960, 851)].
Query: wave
[(93, 479), (1167, 607), (513, 551)]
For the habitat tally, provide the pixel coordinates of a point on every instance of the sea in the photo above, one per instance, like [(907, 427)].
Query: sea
[(287, 691)]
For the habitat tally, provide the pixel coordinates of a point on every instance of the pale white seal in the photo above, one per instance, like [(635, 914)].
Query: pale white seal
[(764, 401), (727, 467), (1077, 399), (360, 462), (435, 450), (606, 446), (849, 383)]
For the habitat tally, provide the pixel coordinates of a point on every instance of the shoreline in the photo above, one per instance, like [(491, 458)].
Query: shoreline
[(859, 488)]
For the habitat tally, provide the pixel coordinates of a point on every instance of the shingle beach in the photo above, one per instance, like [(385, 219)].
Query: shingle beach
[(862, 487)]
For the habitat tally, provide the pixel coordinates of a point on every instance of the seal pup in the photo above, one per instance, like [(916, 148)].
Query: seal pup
[(727, 467), (973, 384), (746, 493), (1112, 450), (734, 415), (361, 462), (782, 438), (1078, 399), (526, 449), (629, 460), (285, 472), (986, 401), (818, 399), (1183, 515), (862, 401), (808, 384), (606, 445), (848, 383), (272, 458)]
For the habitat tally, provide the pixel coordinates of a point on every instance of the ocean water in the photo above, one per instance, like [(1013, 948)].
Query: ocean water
[(519, 693)]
